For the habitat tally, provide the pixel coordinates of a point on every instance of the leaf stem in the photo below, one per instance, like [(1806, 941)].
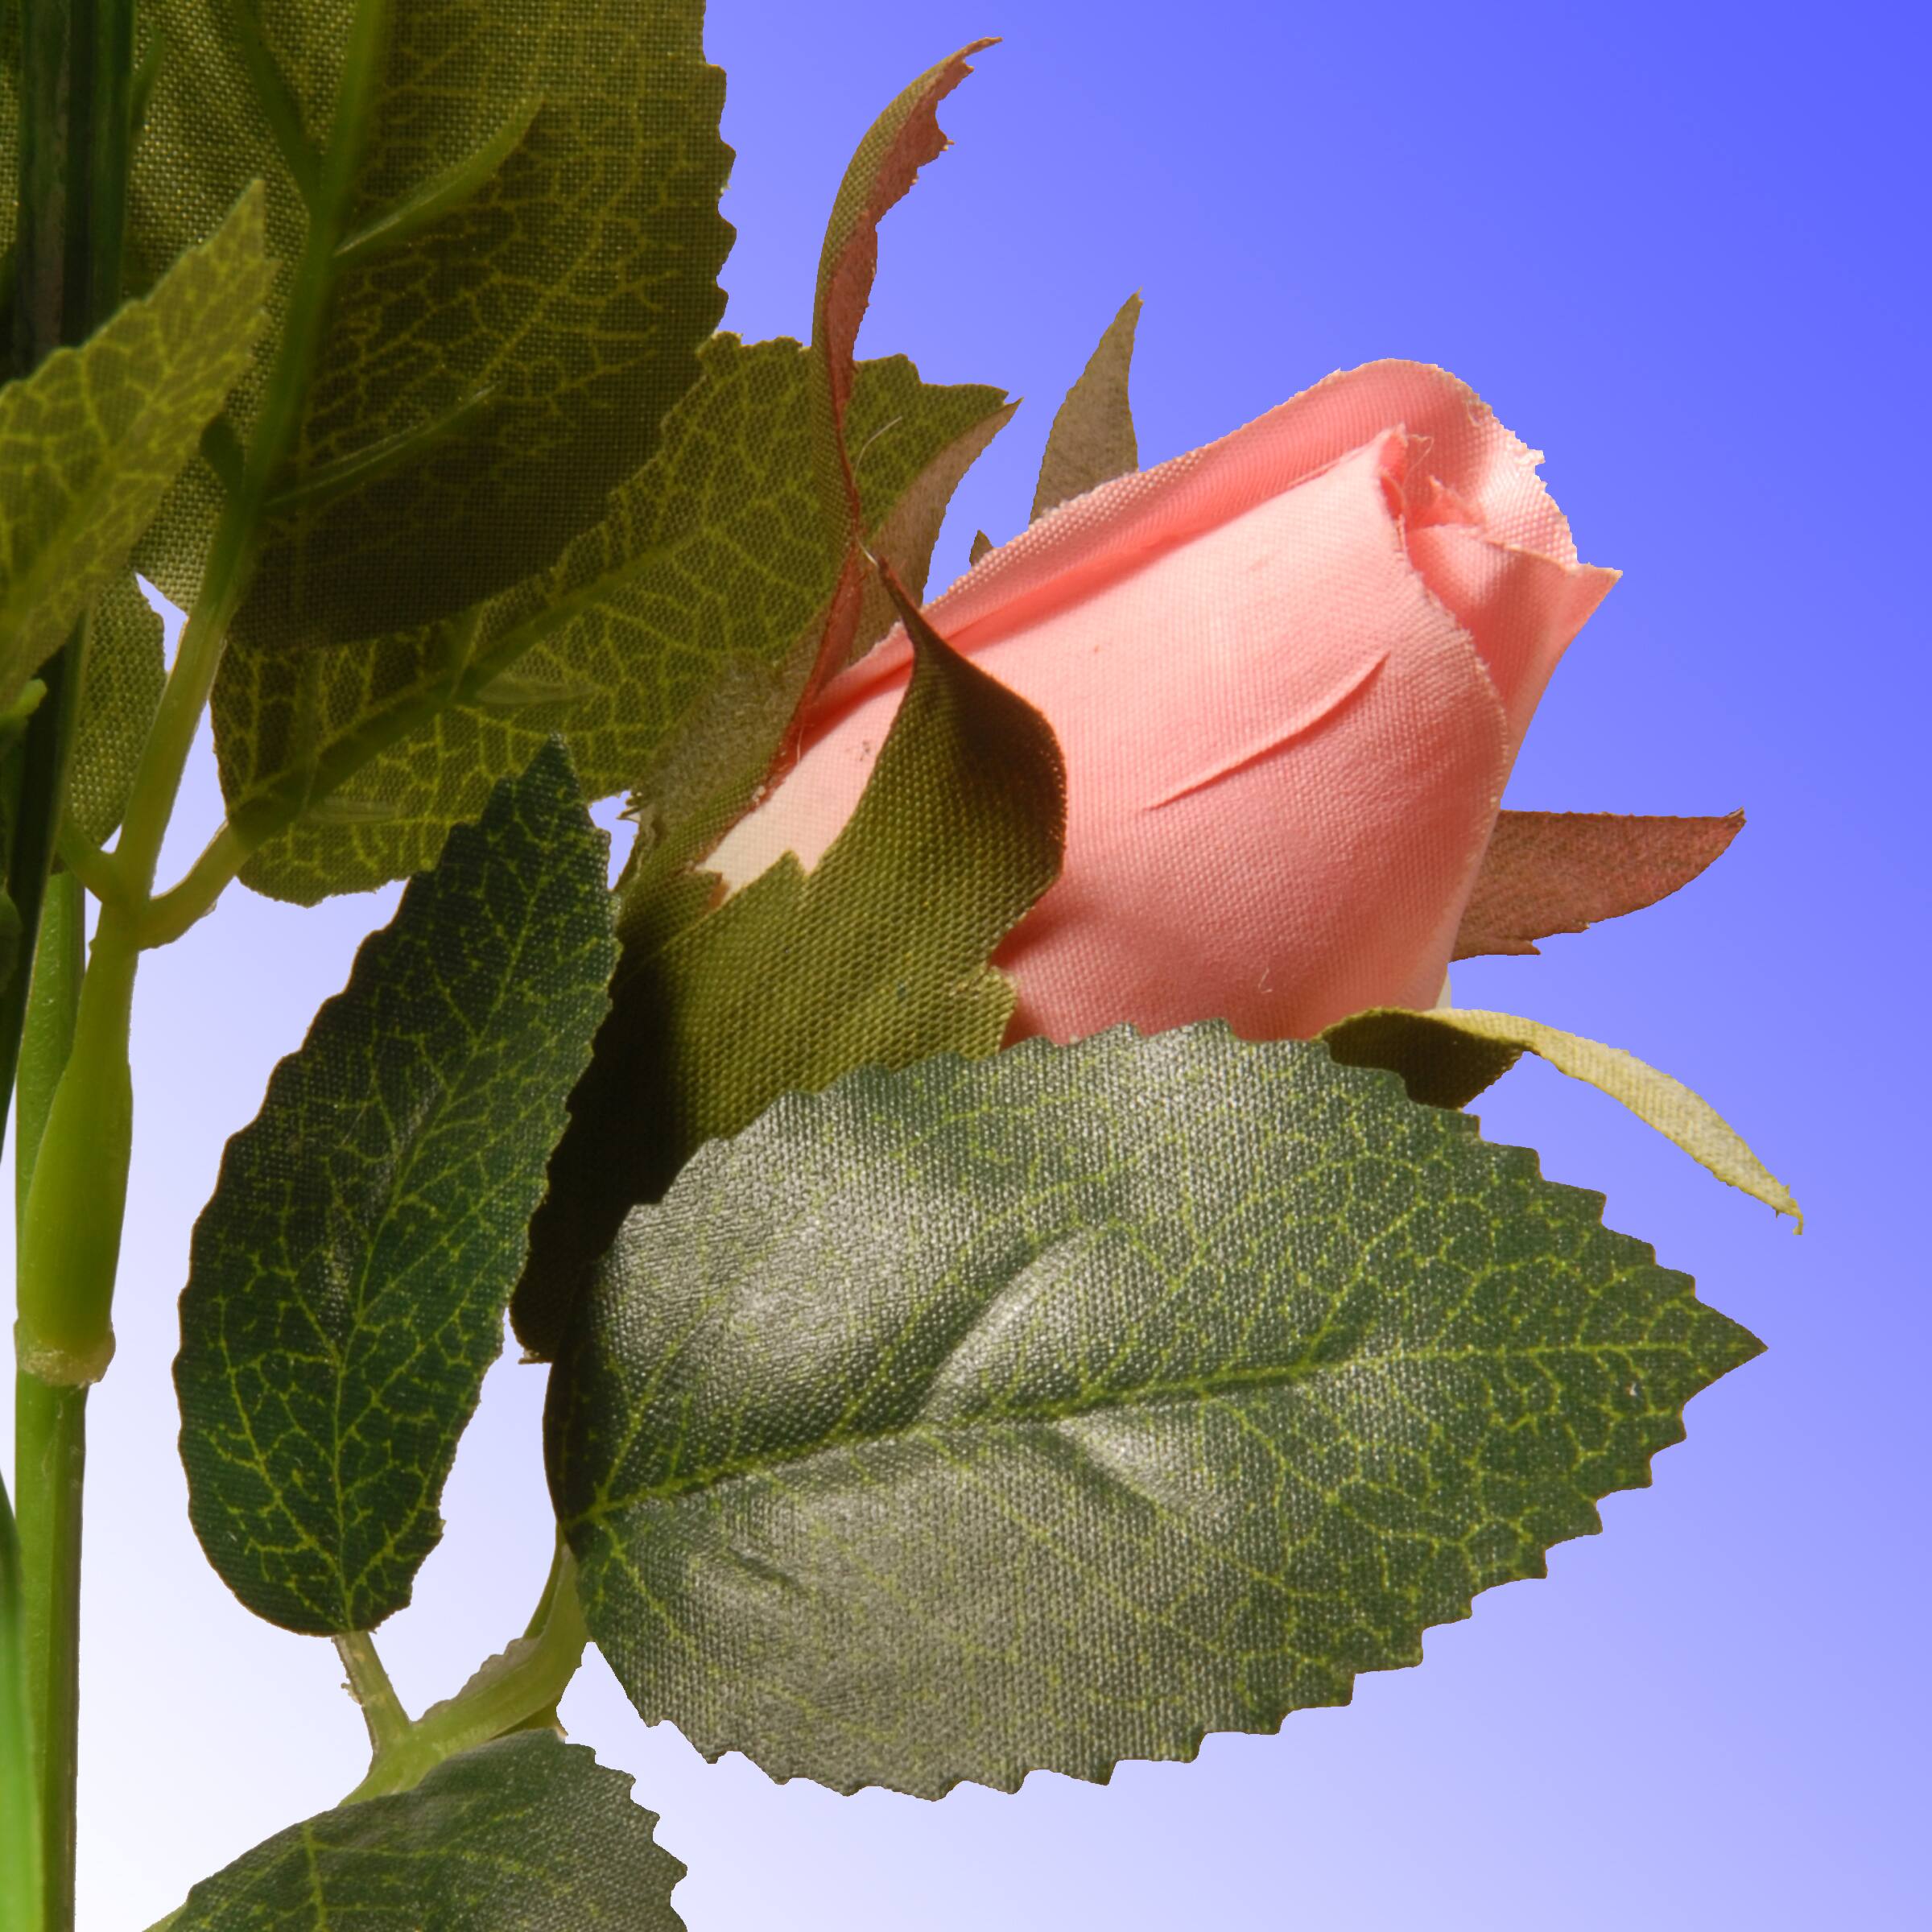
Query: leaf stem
[(193, 897), (523, 1681), (94, 867), (369, 1686)]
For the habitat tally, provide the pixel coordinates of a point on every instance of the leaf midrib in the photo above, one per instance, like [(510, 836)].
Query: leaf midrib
[(1152, 1395)]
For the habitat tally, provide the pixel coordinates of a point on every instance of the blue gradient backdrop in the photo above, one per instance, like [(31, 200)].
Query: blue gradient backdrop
[(1677, 248)]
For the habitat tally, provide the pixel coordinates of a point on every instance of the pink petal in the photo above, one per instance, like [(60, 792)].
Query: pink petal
[(1289, 672)]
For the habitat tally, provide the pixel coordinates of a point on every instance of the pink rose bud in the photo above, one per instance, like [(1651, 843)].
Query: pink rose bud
[(1289, 673)]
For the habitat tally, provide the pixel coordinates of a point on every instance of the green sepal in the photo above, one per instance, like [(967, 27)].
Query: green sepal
[(1092, 440), (1059, 1408), (349, 1277), (877, 956)]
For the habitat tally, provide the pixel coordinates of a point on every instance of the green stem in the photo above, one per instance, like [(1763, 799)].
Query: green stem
[(72, 1168), (193, 897), (76, 57), (368, 1684), (231, 555), (523, 1682), (50, 1460), (20, 1857)]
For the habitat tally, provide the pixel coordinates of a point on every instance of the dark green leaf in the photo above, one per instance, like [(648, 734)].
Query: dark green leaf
[(526, 248), (526, 1835), (668, 645), (348, 1279), (91, 440), (1092, 440), (878, 955), (1059, 1408)]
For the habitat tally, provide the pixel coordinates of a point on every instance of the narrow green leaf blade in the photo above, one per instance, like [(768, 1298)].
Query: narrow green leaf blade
[(1443, 1055), (124, 672), (668, 645), (348, 1278), (878, 955), (527, 267), (1055, 1409), (1093, 440), (525, 1834), (90, 442)]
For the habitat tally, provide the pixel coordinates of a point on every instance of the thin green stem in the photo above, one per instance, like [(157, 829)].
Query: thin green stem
[(193, 896), (94, 867), (368, 1684), (230, 564), (20, 1856), (50, 1466), (523, 1681)]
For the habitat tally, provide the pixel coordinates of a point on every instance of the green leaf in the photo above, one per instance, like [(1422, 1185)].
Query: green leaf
[(121, 685), (512, 214), (348, 1279), (878, 955), (668, 645), (525, 1834), (1440, 1066), (1056, 1409), (1551, 872), (91, 440), (902, 539), (1092, 440), (1447, 1056)]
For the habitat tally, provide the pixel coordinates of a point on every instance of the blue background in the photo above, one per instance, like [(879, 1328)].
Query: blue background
[(1677, 248)]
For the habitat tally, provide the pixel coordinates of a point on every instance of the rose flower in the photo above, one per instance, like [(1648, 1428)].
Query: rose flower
[(1289, 672)]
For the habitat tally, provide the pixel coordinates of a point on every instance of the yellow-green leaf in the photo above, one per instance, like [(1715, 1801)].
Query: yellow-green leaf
[(668, 645), (1439, 1054), (91, 440), (517, 201)]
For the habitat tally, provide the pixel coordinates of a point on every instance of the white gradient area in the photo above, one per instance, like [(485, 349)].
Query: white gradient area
[(1665, 244)]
